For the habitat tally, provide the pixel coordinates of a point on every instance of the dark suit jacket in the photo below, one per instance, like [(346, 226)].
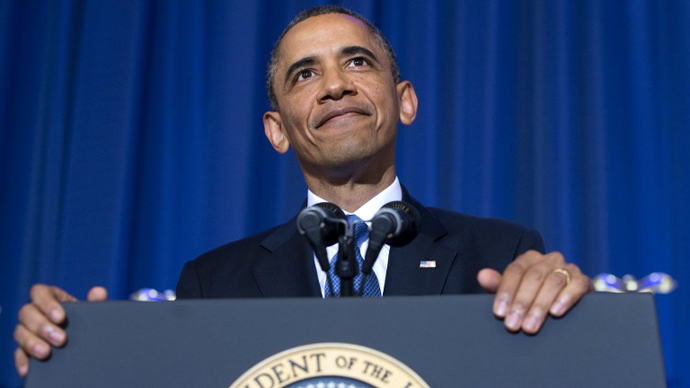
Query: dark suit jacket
[(279, 262)]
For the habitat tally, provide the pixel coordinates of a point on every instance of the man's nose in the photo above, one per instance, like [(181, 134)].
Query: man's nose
[(336, 85)]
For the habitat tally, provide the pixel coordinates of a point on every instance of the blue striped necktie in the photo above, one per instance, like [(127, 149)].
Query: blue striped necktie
[(371, 287)]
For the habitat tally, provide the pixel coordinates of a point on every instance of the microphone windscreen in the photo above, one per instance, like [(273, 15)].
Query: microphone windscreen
[(334, 228), (410, 225)]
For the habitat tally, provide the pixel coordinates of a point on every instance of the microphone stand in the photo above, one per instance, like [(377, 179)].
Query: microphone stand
[(346, 266)]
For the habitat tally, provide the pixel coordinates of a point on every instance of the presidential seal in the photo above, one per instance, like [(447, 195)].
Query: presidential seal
[(330, 365)]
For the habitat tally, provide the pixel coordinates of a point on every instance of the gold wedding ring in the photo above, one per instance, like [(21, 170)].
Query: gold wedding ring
[(564, 273)]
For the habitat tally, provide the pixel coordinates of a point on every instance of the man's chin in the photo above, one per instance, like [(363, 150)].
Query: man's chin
[(356, 162)]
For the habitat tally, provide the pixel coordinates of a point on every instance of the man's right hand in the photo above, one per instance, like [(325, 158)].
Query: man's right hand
[(40, 320)]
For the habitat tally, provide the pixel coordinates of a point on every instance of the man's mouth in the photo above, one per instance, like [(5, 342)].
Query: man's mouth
[(336, 113)]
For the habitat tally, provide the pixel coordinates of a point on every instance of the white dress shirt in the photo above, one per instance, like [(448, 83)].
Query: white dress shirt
[(366, 213)]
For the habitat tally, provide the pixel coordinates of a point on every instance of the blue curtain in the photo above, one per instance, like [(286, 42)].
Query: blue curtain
[(131, 137)]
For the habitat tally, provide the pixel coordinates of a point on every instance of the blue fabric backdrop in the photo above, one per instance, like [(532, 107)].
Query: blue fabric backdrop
[(131, 136)]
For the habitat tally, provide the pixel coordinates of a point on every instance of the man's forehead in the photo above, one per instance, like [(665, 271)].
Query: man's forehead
[(324, 33)]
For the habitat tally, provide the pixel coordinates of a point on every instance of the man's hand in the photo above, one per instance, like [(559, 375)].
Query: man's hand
[(532, 286), (39, 322)]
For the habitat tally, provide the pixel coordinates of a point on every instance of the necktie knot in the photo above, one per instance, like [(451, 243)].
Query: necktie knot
[(361, 230), (371, 284)]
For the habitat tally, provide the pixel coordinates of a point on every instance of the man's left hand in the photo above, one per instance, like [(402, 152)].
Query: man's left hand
[(532, 286)]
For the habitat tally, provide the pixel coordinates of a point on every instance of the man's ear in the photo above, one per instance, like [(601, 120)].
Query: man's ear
[(273, 128), (408, 102)]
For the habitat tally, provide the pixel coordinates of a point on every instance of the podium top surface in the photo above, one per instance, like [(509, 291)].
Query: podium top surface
[(450, 341)]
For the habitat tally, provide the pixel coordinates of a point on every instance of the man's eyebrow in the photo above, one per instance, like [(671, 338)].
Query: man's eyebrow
[(354, 50), (306, 61)]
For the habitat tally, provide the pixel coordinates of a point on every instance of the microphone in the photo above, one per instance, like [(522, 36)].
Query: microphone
[(322, 224), (396, 224)]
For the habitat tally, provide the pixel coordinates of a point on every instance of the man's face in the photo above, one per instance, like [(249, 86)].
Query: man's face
[(338, 101)]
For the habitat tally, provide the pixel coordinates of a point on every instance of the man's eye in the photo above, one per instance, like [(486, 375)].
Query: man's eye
[(304, 74), (358, 62)]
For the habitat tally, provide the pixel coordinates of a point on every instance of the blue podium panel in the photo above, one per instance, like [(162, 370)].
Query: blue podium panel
[(443, 341)]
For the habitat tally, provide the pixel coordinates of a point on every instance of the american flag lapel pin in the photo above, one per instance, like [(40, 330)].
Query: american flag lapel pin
[(427, 264)]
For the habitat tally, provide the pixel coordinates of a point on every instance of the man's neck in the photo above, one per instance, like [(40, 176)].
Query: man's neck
[(351, 194)]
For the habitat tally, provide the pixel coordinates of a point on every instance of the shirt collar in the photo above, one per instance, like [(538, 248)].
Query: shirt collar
[(369, 209)]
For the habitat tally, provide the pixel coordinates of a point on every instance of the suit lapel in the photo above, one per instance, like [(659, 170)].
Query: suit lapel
[(286, 267), (404, 275)]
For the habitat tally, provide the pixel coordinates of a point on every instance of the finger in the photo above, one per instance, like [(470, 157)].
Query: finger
[(30, 343), (62, 295), (580, 284), (48, 299), (21, 362), (33, 319), (489, 279), (511, 280), (553, 284), (97, 294), (525, 295), (530, 284)]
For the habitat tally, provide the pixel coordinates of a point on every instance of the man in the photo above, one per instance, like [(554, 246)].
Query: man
[(337, 98)]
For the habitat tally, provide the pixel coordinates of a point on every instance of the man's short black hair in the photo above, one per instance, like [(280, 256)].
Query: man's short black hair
[(323, 10)]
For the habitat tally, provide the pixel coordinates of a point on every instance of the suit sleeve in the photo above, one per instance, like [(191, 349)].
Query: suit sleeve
[(530, 240), (188, 287)]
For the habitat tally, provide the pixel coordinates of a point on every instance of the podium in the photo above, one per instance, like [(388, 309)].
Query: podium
[(444, 341)]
